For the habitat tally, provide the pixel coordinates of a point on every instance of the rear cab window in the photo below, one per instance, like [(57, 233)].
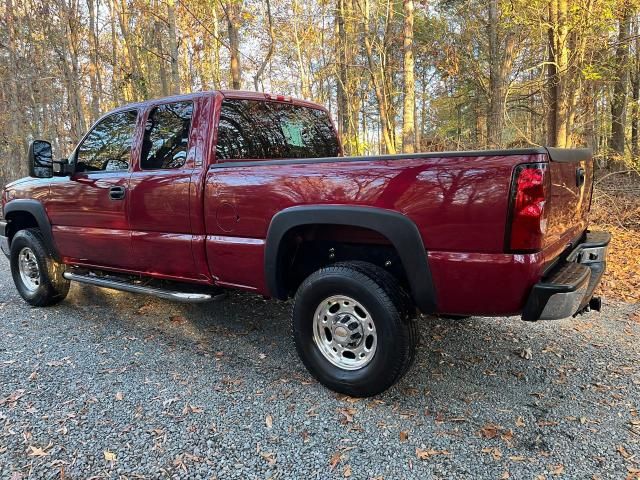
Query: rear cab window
[(264, 130)]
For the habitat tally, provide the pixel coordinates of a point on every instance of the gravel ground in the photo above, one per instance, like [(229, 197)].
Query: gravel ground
[(112, 385)]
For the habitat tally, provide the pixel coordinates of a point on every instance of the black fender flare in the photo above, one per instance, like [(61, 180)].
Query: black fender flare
[(400, 230), (36, 209)]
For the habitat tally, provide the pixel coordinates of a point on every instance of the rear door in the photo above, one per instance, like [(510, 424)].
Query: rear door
[(88, 211), (161, 186), (571, 188)]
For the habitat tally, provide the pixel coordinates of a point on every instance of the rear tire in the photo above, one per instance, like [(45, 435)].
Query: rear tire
[(36, 274), (352, 328)]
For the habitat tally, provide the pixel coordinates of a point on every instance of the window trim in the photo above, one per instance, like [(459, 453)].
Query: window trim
[(76, 150), (146, 115)]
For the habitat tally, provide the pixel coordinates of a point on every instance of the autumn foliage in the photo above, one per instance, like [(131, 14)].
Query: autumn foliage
[(616, 208)]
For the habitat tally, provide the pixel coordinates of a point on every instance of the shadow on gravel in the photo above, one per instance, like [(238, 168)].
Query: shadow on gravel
[(496, 359)]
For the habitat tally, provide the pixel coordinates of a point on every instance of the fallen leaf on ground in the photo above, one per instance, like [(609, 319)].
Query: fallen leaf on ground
[(404, 436), (494, 452), (526, 353), (119, 396), (348, 414), (547, 423), (557, 469), (622, 451), (13, 398), (424, 454), (336, 458), (268, 421), (109, 456), (490, 430), (36, 451), (269, 457), (179, 319), (347, 471)]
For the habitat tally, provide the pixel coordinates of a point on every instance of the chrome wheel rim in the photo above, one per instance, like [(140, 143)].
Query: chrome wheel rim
[(344, 332), (29, 270)]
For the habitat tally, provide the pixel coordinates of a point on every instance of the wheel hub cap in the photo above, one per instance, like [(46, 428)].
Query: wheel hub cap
[(29, 270), (344, 332)]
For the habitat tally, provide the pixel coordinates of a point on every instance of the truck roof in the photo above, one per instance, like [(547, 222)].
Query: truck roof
[(236, 94)]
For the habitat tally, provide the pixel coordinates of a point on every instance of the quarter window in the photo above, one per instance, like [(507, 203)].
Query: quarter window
[(108, 146), (250, 129), (166, 136)]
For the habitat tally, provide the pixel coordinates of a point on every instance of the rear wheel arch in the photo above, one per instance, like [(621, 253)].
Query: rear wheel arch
[(398, 229), (27, 213)]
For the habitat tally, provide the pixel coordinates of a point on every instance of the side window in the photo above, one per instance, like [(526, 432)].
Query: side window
[(108, 145), (166, 136), (250, 129)]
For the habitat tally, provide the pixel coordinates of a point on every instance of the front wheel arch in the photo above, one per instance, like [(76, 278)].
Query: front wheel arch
[(27, 213)]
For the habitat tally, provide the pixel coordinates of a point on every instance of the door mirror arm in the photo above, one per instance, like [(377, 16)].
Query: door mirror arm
[(62, 168)]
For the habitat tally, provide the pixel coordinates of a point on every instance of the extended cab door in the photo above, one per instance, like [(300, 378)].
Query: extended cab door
[(164, 188), (88, 211)]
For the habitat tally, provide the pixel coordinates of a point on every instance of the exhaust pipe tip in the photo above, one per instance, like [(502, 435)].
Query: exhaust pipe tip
[(595, 303)]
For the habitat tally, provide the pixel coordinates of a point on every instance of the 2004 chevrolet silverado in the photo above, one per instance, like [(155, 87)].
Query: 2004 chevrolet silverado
[(183, 197)]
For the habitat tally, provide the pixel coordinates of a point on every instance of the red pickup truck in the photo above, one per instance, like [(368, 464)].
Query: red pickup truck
[(186, 196)]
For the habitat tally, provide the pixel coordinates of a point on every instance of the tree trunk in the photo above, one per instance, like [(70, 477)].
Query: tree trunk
[(302, 64), (232, 13), (173, 47), (409, 103), (115, 81), (137, 81), (162, 67), (620, 87), (341, 83), (558, 111), (635, 93), (257, 78), (495, 115), (94, 74), (376, 70)]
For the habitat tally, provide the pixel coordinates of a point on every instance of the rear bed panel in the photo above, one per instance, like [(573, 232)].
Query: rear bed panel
[(458, 203)]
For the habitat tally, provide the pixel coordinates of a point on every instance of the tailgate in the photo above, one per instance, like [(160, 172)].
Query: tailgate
[(571, 188)]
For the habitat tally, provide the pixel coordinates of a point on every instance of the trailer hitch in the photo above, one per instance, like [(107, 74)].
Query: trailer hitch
[(594, 304)]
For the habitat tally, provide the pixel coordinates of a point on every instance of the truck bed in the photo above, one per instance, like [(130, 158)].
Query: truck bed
[(458, 200)]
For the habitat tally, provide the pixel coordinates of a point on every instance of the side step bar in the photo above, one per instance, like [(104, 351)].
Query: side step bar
[(189, 297)]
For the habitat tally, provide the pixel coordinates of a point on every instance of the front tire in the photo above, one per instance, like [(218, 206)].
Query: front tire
[(351, 329), (36, 274)]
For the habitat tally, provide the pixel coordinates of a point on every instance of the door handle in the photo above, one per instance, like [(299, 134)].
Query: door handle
[(117, 193)]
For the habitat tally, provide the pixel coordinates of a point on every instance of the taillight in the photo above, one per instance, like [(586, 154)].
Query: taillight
[(527, 218)]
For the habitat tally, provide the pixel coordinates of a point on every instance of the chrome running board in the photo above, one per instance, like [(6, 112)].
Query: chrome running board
[(189, 297)]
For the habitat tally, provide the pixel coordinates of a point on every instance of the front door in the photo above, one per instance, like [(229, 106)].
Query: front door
[(88, 211)]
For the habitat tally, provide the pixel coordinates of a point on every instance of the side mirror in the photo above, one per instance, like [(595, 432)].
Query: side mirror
[(40, 159)]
